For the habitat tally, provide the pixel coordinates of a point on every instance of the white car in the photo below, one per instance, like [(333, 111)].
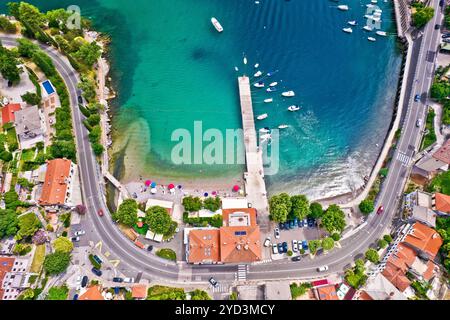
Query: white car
[(294, 246), (128, 280), (267, 242), (277, 233), (79, 233), (322, 268), (274, 248)]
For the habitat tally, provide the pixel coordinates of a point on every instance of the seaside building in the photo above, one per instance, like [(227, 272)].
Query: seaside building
[(8, 112), (57, 189), (439, 160), (29, 125)]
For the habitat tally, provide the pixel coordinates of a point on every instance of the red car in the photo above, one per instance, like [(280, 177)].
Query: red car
[(100, 212), (380, 210)]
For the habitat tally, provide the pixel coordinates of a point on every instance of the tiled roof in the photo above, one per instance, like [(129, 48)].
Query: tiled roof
[(6, 265), (327, 292), (443, 153), (240, 244), (429, 273), (396, 276), (442, 202), (139, 291), (246, 213), (92, 293), (8, 112), (204, 246), (363, 295), (425, 239), (403, 257), (55, 185)]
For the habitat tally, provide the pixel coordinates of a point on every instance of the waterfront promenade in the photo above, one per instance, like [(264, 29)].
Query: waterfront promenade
[(255, 186)]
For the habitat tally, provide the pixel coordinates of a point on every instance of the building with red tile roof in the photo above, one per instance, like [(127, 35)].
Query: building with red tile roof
[(424, 239), (441, 202), (204, 246), (443, 153), (92, 293), (327, 292), (56, 190), (403, 257), (239, 217), (139, 291), (8, 112), (240, 244), (396, 276), (6, 266)]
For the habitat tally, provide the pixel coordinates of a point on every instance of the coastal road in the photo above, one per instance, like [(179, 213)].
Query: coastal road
[(135, 262)]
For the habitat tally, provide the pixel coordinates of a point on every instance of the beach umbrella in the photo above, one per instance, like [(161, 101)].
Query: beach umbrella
[(205, 194), (171, 186), (236, 188), (214, 193), (180, 186), (153, 185), (153, 190), (148, 183)]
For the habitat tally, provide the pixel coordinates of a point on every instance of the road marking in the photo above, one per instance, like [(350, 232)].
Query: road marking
[(98, 246), (221, 288), (242, 272), (403, 158), (107, 254), (115, 263)]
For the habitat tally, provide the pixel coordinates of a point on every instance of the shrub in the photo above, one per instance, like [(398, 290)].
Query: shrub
[(366, 206), (192, 204), (382, 243), (336, 236), (372, 256), (388, 238), (289, 253), (212, 204), (168, 254), (56, 263)]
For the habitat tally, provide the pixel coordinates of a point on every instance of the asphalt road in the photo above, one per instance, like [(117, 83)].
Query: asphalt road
[(134, 260)]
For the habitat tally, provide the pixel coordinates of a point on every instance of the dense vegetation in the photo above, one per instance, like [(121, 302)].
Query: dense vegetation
[(440, 90), (422, 15), (158, 220), (194, 204), (127, 213), (168, 254), (440, 183), (443, 227), (9, 65), (298, 290)]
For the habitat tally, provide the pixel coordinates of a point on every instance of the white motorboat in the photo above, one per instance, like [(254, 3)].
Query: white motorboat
[(262, 116), (264, 130), (288, 93), (216, 24), (283, 126), (257, 74), (245, 60), (371, 39), (368, 28), (294, 108), (273, 84), (347, 30), (343, 7), (268, 100), (381, 33), (256, 65), (374, 1), (370, 5), (236, 68), (352, 23), (259, 85), (271, 89)]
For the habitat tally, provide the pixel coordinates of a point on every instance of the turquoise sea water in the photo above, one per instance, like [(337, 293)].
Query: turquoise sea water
[(172, 68)]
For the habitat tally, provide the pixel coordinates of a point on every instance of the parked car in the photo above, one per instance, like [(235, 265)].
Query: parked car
[(441, 3), (305, 222), (299, 245), (75, 239), (79, 233), (117, 279), (281, 225), (299, 223), (297, 258), (417, 98), (305, 245), (100, 212), (80, 100), (285, 247), (277, 233), (97, 259), (437, 26), (75, 297), (280, 248), (84, 281), (267, 242), (446, 35), (446, 40), (287, 226), (294, 246), (97, 272), (419, 123), (322, 268), (295, 222), (274, 248), (291, 224), (150, 248), (310, 222), (380, 210), (213, 282), (128, 280)]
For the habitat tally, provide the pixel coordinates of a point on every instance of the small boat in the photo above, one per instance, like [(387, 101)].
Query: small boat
[(216, 24), (245, 60), (262, 116), (264, 130), (381, 33), (368, 28), (271, 89), (236, 68), (259, 85), (370, 5), (294, 108), (347, 30), (371, 39), (283, 126), (288, 93), (352, 23), (273, 84), (257, 74), (343, 7), (374, 1), (256, 65), (268, 100), (269, 74)]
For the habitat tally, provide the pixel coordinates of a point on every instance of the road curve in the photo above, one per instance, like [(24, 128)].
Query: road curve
[(135, 261)]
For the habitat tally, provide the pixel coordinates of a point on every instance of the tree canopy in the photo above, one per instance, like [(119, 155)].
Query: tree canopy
[(158, 220), (8, 223), (56, 263), (57, 293), (192, 204), (63, 244), (333, 219), (198, 294), (372, 255), (280, 206), (316, 210), (300, 206), (327, 243), (422, 15), (212, 203), (127, 213), (366, 206), (28, 225), (8, 65)]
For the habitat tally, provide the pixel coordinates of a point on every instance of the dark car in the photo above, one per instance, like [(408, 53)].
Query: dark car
[(305, 245), (417, 98), (295, 222), (150, 248), (97, 259), (297, 258), (84, 281), (441, 3), (380, 210), (286, 226), (80, 100), (437, 26), (97, 272), (446, 35), (291, 224), (281, 225), (75, 297), (213, 282), (280, 248), (299, 223), (117, 279), (446, 40), (285, 246), (311, 222)]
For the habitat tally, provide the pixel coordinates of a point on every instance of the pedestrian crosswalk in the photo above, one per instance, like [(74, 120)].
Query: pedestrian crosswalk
[(221, 288), (403, 158), (242, 272)]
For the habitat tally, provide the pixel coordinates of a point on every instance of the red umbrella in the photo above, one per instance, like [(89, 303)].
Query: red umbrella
[(236, 188), (171, 186), (148, 183)]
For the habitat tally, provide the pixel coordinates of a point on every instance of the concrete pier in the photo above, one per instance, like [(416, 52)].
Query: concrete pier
[(255, 186)]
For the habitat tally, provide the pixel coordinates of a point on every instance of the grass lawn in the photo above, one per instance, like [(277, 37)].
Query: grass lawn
[(440, 183), (168, 254), (11, 137), (165, 293), (143, 230), (430, 137), (38, 259)]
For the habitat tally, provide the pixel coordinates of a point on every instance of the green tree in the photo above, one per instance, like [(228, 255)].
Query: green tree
[(327, 244), (280, 206), (316, 210), (372, 255), (88, 88), (127, 213), (28, 225), (58, 293), (63, 244), (333, 219), (7, 26), (422, 16), (88, 54), (28, 294), (26, 48), (56, 263), (336, 236), (300, 206), (382, 243), (158, 220), (314, 245), (212, 204), (8, 66), (440, 90), (366, 206), (192, 204), (388, 238), (31, 98), (98, 149), (199, 295), (8, 223)]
